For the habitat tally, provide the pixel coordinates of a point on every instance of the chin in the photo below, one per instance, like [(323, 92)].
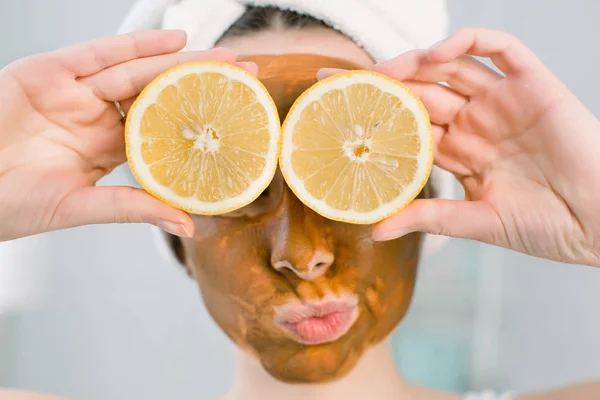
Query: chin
[(312, 364), (290, 359)]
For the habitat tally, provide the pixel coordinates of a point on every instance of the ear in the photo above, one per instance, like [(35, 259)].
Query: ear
[(170, 249), (443, 186)]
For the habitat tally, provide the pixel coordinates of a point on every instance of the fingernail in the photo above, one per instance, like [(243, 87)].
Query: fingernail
[(174, 228), (325, 72), (389, 235), (179, 32), (249, 66)]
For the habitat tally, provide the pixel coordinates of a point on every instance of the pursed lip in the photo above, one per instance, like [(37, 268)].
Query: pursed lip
[(320, 321)]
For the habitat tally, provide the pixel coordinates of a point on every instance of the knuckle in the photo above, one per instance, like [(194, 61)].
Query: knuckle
[(135, 44), (436, 229), (466, 32), (430, 215), (453, 71), (94, 53), (129, 79), (92, 84), (122, 199)]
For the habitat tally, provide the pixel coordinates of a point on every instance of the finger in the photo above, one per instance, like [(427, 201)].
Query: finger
[(442, 103), (121, 204), (249, 66), (91, 57), (437, 133), (324, 73), (464, 74), (454, 218), (447, 162), (126, 105), (127, 80), (505, 50)]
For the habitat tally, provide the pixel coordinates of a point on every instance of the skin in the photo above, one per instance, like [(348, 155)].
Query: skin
[(241, 278), (514, 141), (60, 132), (247, 315), (547, 104), (241, 288)]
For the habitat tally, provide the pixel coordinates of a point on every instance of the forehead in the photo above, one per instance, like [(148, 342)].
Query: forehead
[(319, 41)]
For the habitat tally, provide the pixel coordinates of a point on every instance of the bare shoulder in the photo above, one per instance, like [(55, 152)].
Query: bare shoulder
[(583, 391), (6, 394)]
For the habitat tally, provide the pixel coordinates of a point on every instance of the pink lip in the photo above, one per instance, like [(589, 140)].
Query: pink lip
[(317, 322)]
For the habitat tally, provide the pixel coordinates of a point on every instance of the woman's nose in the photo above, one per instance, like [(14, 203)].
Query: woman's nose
[(300, 244), (307, 266)]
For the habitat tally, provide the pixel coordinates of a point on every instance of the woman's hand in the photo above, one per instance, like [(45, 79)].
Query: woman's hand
[(525, 149), (60, 132)]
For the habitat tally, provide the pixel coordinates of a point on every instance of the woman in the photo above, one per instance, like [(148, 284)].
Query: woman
[(259, 321), (308, 298)]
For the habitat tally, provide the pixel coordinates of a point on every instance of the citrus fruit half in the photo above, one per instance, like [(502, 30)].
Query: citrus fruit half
[(204, 137), (357, 147)]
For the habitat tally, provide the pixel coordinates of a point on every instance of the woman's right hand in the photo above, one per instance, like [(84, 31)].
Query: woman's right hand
[(525, 149), (61, 132)]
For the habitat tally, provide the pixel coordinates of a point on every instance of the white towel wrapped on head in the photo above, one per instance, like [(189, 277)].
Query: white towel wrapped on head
[(384, 28)]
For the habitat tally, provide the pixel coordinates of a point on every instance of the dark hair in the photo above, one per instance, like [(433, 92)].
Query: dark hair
[(257, 19)]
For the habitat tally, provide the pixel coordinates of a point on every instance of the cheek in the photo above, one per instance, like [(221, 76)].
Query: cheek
[(238, 269), (385, 273), (223, 262), (240, 291)]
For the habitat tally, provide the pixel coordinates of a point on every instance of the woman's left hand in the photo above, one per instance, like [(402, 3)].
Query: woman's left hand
[(523, 146), (60, 132)]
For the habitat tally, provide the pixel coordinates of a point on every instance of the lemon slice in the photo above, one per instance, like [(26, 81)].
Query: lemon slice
[(357, 147), (204, 137)]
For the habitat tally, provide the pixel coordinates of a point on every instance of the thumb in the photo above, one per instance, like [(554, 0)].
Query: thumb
[(454, 218), (120, 204)]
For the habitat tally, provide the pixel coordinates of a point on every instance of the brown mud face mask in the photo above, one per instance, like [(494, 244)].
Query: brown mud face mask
[(287, 76), (255, 260)]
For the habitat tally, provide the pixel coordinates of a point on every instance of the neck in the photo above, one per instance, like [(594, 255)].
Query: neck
[(375, 372)]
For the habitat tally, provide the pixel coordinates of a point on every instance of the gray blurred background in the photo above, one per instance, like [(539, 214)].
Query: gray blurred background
[(109, 320)]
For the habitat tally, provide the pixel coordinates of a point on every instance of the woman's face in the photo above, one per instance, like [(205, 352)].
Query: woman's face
[(304, 294)]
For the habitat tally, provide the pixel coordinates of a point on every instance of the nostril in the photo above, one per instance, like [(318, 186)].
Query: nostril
[(283, 266), (321, 259), (311, 269), (287, 269), (320, 265)]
